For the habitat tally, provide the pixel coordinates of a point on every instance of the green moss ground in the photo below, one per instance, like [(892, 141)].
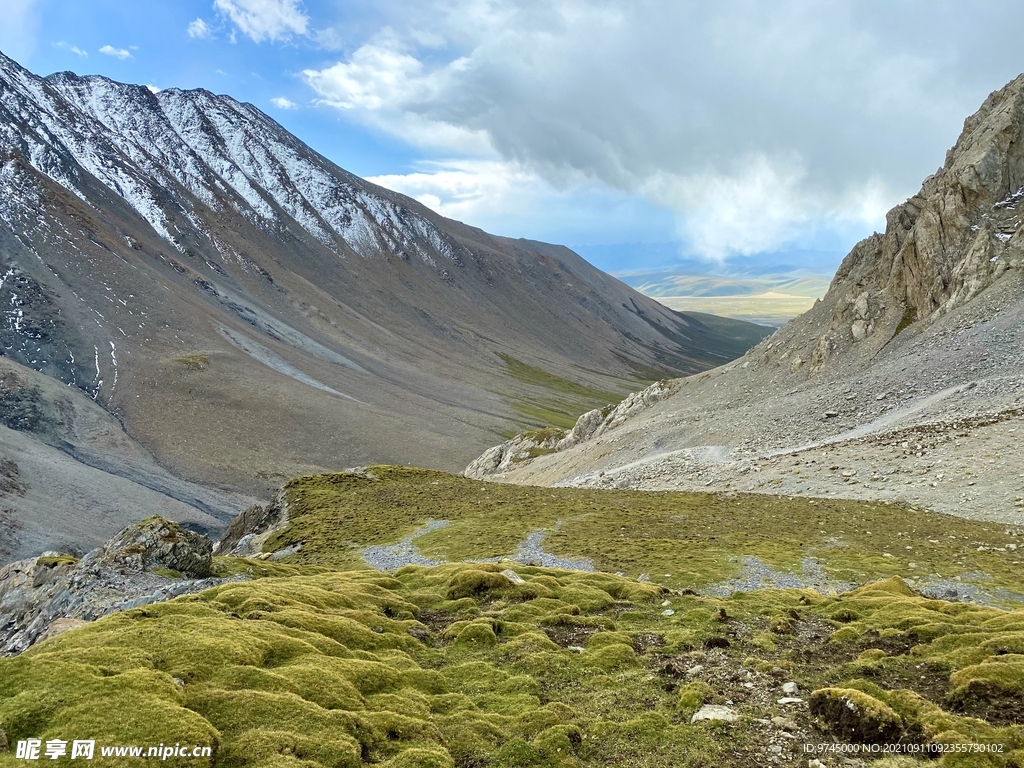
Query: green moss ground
[(695, 538), (456, 666), (319, 662), (906, 320)]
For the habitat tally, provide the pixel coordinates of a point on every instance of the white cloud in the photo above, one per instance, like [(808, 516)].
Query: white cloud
[(749, 211), (73, 48), (199, 30), (153, 89), (18, 30), (265, 19), (384, 86), (282, 103), (118, 53), (377, 77), (753, 123), (467, 189), (510, 199)]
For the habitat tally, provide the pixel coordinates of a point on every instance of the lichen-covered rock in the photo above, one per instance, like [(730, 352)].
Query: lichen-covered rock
[(855, 716), (156, 543), (147, 562)]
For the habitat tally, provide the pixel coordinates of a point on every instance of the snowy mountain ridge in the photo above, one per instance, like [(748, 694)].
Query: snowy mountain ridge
[(167, 153)]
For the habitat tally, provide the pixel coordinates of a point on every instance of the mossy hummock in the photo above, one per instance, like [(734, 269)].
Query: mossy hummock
[(459, 665), (683, 540)]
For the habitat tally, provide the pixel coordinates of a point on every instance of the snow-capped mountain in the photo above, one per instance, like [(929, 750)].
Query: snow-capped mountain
[(248, 310), (174, 149)]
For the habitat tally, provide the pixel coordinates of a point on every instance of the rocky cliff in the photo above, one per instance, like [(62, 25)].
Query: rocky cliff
[(943, 246)]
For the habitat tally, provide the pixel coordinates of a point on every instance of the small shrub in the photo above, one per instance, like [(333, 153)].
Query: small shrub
[(692, 697)]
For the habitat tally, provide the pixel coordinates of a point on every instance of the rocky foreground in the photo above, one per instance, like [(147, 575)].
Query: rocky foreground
[(148, 562)]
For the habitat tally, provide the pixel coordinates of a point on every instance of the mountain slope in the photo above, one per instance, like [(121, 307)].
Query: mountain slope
[(905, 383), (248, 311)]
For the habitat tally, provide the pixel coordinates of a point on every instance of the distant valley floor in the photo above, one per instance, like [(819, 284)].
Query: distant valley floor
[(772, 299)]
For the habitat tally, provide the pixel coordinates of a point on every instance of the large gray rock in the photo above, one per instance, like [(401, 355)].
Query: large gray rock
[(585, 428), (147, 562), (247, 532), (504, 457), (155, 543), (634, 403), (528, 445)]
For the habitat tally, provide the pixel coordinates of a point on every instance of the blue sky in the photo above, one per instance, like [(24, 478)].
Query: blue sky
[(731, 129)]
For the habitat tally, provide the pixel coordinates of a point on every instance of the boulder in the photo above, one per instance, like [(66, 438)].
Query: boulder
[(147, 562), (522, 447), (715, 712), (156, 543)]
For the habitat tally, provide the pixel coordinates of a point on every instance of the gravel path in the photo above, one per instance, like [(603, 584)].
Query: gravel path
[(390, 557), (530, 552), (965, 592), (757, 575)]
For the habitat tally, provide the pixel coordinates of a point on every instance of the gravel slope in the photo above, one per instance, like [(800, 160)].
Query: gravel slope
[(935, 421)]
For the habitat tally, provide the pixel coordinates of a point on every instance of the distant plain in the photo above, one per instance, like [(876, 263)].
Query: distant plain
[(767, 288), (765, 299)]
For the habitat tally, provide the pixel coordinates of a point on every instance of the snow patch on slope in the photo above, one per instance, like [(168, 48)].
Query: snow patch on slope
[(178, 155), (263, 355)]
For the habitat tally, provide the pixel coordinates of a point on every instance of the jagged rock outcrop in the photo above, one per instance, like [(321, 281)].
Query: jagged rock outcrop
[(634, 403), (529, 445), (246, 533), (524, 446), (147, 562), (943, 246), (155, 543)]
